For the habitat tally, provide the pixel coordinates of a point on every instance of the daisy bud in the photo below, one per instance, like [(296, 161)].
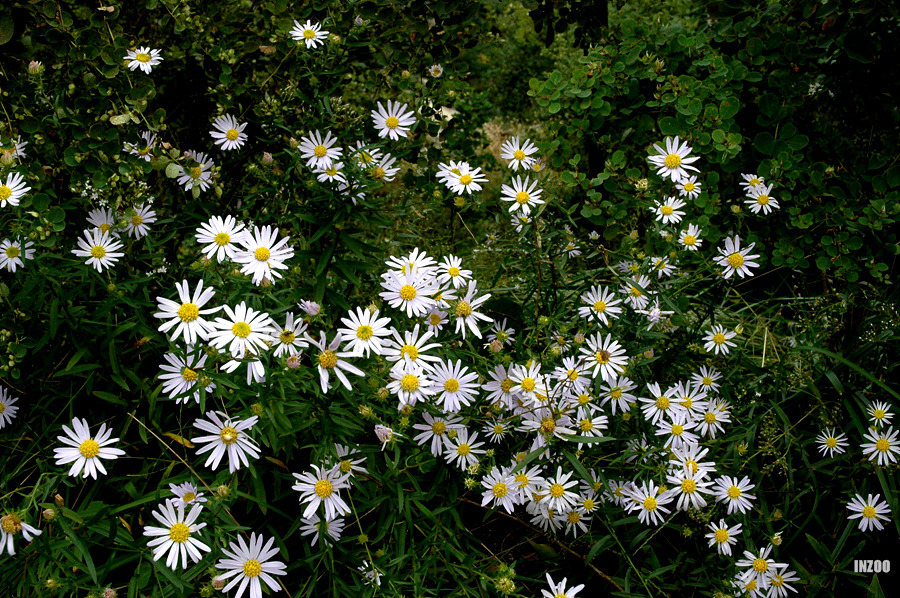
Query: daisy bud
[(217, 583), (555, 351), (543, 321), (293, 142), (267, 158), (505, 585), (633, 235), (776, 539), (362, 539), (735, 209), (626, 416), (470, 483), (366, 411), (109, 593), (460, 201), (6, 158), (256, 408), (579, 339), (51, 583), (293, 362), (48, 514), (383, 393), (372, 308), (738, 329), (223, 491), (35, 67), (495, 346), (59, 500)]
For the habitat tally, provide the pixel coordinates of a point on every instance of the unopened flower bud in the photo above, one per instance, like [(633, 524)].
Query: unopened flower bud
[(218, 583), (35, 67), (366, 411), (257, 409), (495, 346), (267, 158), (223, 491), (109, 593), (293, 362), (48, 514), (59, 500), (460, 201), (383, 393)]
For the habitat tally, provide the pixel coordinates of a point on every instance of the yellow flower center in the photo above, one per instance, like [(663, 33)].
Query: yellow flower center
[(667, 210), (241, 329), (883, 445), (324, 488), (868, 511), (136, 220), (229, 435), (498, 429), (392, 122), (12, 252), (465, 179), (709, 417), (519, 155), (635, 292), (89, 448), (521, 480), (188, 497), (231, 134), (662, 403), (98, 251), (734, 492), (692, 464), (179, 533), (572, 375), (142, 57), (548, 425), (453, 271), (327, 359), (777, 580), (589, 504), (11, 524), (586, 425), (252, 568), (878, 414), (438, 428), (602, 356), (463, 309), (500, 490), (319, 151), (528, 384), (463, 449), (677, 430), (143, 151), (188, 312), (673, 161), (650, 503), (309, 34), (831, 442), (760, 565), (507, 384), (557, 490), (378, 172), (105, 227), (451, 385), (754, 182), (735, 260), (364, 332), (409, 350), (688, 486), (408, 292), (718, 338), (196, 172), (616, 393), (751, 585), (707, 381), (522, 197), (5, 192), (346, 465), (2, 408), (762, 200), (721, 535), (222, 239), (189, 375), (689, 187), (409, 383), (434, 319), (689, 240), (287, 337), (262, 254), (600, 306)]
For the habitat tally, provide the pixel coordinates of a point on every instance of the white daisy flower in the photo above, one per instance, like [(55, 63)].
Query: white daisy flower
[(256, 371), (8, 408), (250, 564), (183, 376), (831, 442), (435, 70), (689, 487), (103, 219), (13, 252), (220, 235), (366, 155), (736, 260), (669, 211), (144, 150), (410, 346), (243, 331), (674, 161), (141, 216), (84, 451), (333, 174), (11, 525), (345, 463), (451, 271), (870, 512), (501, 490), (760, 566), (659, 404), (463, 451), (605, 355), (751, 181), (434, 431), (416, 262), (501, 332), (410, 382), (711, 420), (363, 331), (410, 292), (393, 122), (518, 154), (100, 249), (310, 308), (186, 317), (186, 493), (228, 133), (879, 411), (198, 175), (688, 187), (263, 255), (883, 447), (329, 360), (559, 590), (662, 267), (456, 385), (177, 534), (320, 529), (322, 487), (371, 575), (460, 178), (227, 437), (466, 314), (436, 320), (677, 429), (600, 303), (13, 148), (707, 378), (618, 391), (528, 381), (761, 200), (777, 586), (689, 238), (559, 496), (647, 500), (319, 153), (637, 292), (309, 33), (723, 537), (143, 58), (291, 338), (523, 195), (501, 387), (718, 340), (735, 493)]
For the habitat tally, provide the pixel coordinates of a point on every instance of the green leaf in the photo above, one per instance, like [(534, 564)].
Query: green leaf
[(729, 107), (80, 548), (769, 104), (764, 143), (669, 126), (172, 170), (119, 119), (7, 28)]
